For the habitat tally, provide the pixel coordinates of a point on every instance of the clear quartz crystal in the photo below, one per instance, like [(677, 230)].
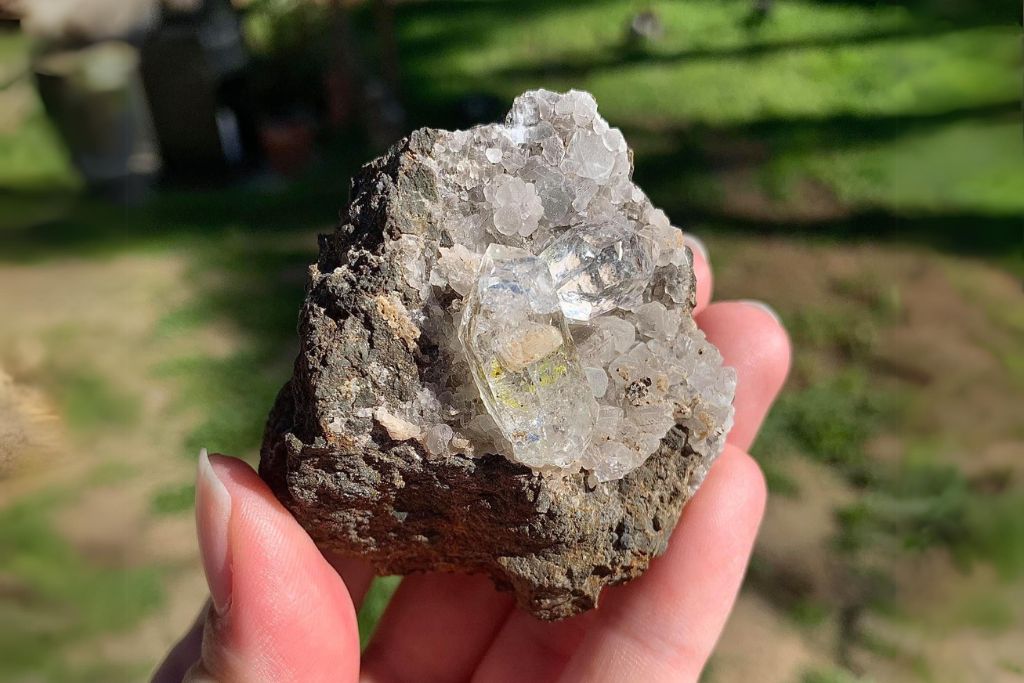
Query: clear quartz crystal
[(597, 269), (524, 362)]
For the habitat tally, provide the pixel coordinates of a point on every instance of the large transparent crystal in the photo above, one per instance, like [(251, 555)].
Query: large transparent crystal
[(599, 268), (524, 362)]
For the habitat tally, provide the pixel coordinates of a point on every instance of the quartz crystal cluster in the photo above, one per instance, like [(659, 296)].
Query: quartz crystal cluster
[(560, 300), (498, 364)]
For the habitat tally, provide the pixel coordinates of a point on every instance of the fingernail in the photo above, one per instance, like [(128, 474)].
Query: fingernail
[(764, 307), (697, 244), (213, 517)]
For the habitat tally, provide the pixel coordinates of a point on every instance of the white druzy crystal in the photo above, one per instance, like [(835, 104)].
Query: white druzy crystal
[(539, 225), (524, 361)]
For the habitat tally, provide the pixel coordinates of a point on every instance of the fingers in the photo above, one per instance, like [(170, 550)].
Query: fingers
[(436, 628), (527, 649), (662, 626), (665, 625), (183, 655), (701, 271), (753, 341), (357, 575), (279, 611)]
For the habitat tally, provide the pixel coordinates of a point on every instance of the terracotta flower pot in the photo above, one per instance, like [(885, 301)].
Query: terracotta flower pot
[(287, 144)]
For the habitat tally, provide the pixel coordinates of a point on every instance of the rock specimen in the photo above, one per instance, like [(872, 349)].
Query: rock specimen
[(499, 371)]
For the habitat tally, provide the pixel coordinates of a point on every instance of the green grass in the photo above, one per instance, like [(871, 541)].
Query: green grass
[(236, 393), (989, 612), (57, 597), (925, 504), (90, 402), (965, 165), (174, 499), (238, 389), (709, 68), (374, 604), (831, 676), (33, 158), (852, 334), (1012, 667), (808, 613), (870, 101), (12, 47), (830, 421), (736, 90), (111, 472)]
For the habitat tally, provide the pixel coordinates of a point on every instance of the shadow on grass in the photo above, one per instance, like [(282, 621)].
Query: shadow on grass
[(841, 130), (672, 164), (43, 223), (976, 234), (624, 55)]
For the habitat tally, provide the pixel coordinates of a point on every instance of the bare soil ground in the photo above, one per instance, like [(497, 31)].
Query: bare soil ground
[(66, 320), (948, 338)]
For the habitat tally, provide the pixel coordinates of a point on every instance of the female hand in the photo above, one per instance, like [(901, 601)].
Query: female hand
[(280, 611)]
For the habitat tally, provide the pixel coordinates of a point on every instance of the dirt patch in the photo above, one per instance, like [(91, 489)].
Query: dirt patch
[(77, 331), (29, 427), (943, 332), (949, 333), (761, 644), (806, 201)]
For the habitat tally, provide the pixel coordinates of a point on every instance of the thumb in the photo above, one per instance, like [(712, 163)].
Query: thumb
[(278, 611)]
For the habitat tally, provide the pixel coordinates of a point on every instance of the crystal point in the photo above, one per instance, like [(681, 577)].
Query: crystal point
[(524, 362)]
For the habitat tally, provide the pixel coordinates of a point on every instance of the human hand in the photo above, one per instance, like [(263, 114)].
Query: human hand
[(280, 611)]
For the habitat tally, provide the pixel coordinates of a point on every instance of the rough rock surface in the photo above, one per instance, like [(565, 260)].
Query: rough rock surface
[(366, 481)]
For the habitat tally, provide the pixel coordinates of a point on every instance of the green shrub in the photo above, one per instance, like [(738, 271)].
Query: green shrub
[(925, 504), (831, 421)]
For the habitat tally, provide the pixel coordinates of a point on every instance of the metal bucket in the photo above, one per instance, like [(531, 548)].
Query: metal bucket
[(94, 97)]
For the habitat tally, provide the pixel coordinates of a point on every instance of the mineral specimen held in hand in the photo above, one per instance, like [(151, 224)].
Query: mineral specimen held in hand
[(499, 371)]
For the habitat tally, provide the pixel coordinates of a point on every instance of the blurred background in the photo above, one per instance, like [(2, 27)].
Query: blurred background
[(165, 167)]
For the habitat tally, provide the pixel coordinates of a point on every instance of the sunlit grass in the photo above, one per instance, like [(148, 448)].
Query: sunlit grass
[(374, 604), (961, 166), (58, 597), (174, 499), (91, 401)]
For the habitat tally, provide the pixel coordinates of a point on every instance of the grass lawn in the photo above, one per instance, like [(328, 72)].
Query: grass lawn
[(856, 165)]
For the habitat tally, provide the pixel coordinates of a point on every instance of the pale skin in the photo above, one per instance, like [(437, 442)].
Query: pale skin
[(281, 612)]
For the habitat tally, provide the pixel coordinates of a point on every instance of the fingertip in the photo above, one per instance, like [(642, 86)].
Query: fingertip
[(701, 271), (237, 474), (775, 342), (213, 522), (752, 340), (747, 478), (286, 600)]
